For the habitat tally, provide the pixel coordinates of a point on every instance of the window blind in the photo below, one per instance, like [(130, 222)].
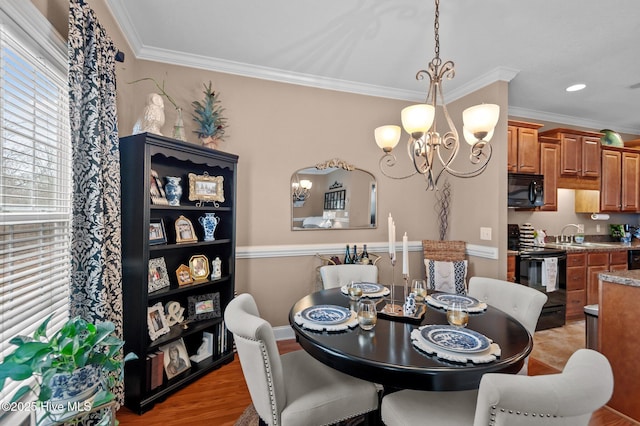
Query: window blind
[(35, 186)]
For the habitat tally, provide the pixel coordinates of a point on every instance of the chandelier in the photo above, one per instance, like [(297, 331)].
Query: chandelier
[(301, 189), (427, 147)]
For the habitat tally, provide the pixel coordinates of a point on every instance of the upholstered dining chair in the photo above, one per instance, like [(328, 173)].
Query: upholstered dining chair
[(292, 389), (521, 302), (445, 264), (340, 275), (567, 398)]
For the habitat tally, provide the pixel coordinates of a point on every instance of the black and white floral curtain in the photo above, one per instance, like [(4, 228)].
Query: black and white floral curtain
[(96, 282)]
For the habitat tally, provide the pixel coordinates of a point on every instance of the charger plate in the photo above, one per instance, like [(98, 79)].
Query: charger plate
[(442, 300), (488, 355), (371, 290), (326, 318)]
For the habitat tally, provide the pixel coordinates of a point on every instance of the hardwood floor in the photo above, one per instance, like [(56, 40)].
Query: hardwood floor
[(221, 397)]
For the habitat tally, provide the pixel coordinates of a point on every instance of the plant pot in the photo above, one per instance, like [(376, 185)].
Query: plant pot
[(72, 395), (210, 142)]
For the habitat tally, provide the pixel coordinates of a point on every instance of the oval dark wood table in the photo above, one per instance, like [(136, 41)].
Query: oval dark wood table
[(385, 355)]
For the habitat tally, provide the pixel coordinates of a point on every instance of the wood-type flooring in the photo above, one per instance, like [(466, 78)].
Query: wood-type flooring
[(221, 397)]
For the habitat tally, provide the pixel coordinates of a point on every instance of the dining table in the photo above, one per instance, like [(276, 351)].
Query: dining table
[(387, 356)]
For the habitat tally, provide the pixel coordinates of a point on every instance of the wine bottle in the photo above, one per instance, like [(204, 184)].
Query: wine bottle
[(354, 256), (347, 256), (364, 257)]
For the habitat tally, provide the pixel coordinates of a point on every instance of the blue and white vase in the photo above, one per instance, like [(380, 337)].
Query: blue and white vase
[(209, 222), (173, 190)]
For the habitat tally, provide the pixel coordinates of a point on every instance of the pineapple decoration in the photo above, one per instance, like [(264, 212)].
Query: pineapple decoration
[(208, 115)]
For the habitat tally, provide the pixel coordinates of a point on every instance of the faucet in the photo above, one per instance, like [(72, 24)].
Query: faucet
[(568, 238)]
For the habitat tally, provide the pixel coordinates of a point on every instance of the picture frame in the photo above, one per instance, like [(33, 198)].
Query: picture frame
[(185, 233), (199, 267), (156, 191), (156, 321), (204, 306), (157, 233), (158, 276), (183, 275), (206, 188), (176, 358)]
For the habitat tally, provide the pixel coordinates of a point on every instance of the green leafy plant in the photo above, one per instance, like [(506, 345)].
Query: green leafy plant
[(616, 231), (208, 115), (160, 88), (77, 344)]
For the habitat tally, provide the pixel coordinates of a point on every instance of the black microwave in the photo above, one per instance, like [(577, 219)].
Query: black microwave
[(525, 191)]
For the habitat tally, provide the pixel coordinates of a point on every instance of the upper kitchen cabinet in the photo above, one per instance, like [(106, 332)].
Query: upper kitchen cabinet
[(523, 148), (620, 183), (580, 154), (549, 167)]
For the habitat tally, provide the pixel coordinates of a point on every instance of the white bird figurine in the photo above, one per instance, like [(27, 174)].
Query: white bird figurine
[(152, 116)]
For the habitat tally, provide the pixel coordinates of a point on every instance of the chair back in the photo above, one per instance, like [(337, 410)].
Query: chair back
[(340, 275), (567, 398), (445, 265), (521, 302), (259, 357)]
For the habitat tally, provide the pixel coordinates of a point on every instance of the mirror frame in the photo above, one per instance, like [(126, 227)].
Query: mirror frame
[(337, 163)]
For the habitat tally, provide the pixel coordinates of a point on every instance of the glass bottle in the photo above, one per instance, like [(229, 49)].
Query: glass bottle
[(354, 258), (178, 127), (347, 256), (364, 257)]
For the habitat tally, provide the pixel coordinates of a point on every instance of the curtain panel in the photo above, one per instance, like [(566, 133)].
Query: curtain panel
[(96, 281)]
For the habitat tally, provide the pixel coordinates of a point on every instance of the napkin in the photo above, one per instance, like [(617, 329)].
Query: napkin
[(351, 322), (488, 355)]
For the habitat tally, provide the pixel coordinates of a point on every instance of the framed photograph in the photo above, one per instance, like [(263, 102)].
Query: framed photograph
[(199, 267), (158, 276), (184, 231), (176, 358), (206, 188), (157, 234), (156, 321), (183, 274), (205, 306), (156, 190)]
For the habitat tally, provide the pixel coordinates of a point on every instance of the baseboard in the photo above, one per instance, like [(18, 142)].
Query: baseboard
[(284, 332)]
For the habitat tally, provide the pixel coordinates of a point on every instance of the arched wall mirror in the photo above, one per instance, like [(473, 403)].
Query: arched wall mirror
[(333, 195)]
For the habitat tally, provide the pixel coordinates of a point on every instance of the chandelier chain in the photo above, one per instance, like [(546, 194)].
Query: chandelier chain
[(436, 28)]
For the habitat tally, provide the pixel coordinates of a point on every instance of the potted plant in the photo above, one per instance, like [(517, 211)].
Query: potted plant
[(208, 115), (70, 367)]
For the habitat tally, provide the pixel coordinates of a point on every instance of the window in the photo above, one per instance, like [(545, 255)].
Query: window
[(35, 179)]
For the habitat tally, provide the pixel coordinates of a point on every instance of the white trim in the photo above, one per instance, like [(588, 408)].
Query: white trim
[(293, 250)]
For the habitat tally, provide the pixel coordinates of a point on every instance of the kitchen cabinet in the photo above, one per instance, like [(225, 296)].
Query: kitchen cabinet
[(549, 167), (511, 268), (523, 148), (620, 182), (576, 285), (579, 157), (602, 262)]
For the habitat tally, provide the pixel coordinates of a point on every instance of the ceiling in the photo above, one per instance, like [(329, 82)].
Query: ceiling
[(376, 47)]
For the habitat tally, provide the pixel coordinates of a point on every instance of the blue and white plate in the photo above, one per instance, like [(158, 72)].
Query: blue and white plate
[(370, 288), (447, 298), (455, 339), (326, 314)]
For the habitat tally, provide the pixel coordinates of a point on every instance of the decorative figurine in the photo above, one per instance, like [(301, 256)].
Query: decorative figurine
[(152, 116), (216, 267)]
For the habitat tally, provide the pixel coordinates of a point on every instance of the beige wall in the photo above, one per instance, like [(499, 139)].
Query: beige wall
[(277, 128)]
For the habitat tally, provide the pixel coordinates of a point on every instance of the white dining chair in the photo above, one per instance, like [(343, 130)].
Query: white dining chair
[(341, 275), (293, 389), (521, 302), (567, 398)]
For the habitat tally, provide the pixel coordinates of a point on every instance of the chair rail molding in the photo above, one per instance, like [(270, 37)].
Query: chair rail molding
[(293, 250)]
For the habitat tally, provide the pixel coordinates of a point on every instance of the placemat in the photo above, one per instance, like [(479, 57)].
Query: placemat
[(385, 292), (310, 325), (483, 357), (481, 307)]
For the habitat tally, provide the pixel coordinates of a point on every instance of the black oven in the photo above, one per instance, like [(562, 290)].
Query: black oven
[(529, 272)]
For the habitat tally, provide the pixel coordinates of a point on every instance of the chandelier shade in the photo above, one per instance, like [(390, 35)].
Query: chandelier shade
[(433, 152)]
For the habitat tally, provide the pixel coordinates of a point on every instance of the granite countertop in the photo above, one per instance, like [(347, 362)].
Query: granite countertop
[(630, 278), (596, 246)]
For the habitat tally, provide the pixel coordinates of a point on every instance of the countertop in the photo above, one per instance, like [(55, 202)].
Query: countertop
[(596, 246), (630, 278)]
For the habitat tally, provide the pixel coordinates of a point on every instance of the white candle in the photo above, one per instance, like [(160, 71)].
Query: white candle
[(405, 254), (390, 226), (393, 240)]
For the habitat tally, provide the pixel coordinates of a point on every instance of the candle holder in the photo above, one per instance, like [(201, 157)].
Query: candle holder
[(407, 289), (392, 308)]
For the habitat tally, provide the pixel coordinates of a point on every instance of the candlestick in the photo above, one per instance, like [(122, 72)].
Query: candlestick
[(390, 230), (405, 254)]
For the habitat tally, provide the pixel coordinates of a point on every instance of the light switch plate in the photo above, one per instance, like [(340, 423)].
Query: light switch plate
[(485, 233)]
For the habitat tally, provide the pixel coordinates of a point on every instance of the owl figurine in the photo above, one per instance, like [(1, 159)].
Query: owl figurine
[(152, 116)]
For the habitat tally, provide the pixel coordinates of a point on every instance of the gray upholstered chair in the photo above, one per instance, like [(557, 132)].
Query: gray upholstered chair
[(567, 398), (521, 302), (292, 389), (340, 275)]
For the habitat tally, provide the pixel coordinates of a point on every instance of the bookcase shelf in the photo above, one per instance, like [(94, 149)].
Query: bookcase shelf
[(146, 379)]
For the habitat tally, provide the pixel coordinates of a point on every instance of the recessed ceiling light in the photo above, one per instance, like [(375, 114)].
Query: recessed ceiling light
[(576, 87)]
